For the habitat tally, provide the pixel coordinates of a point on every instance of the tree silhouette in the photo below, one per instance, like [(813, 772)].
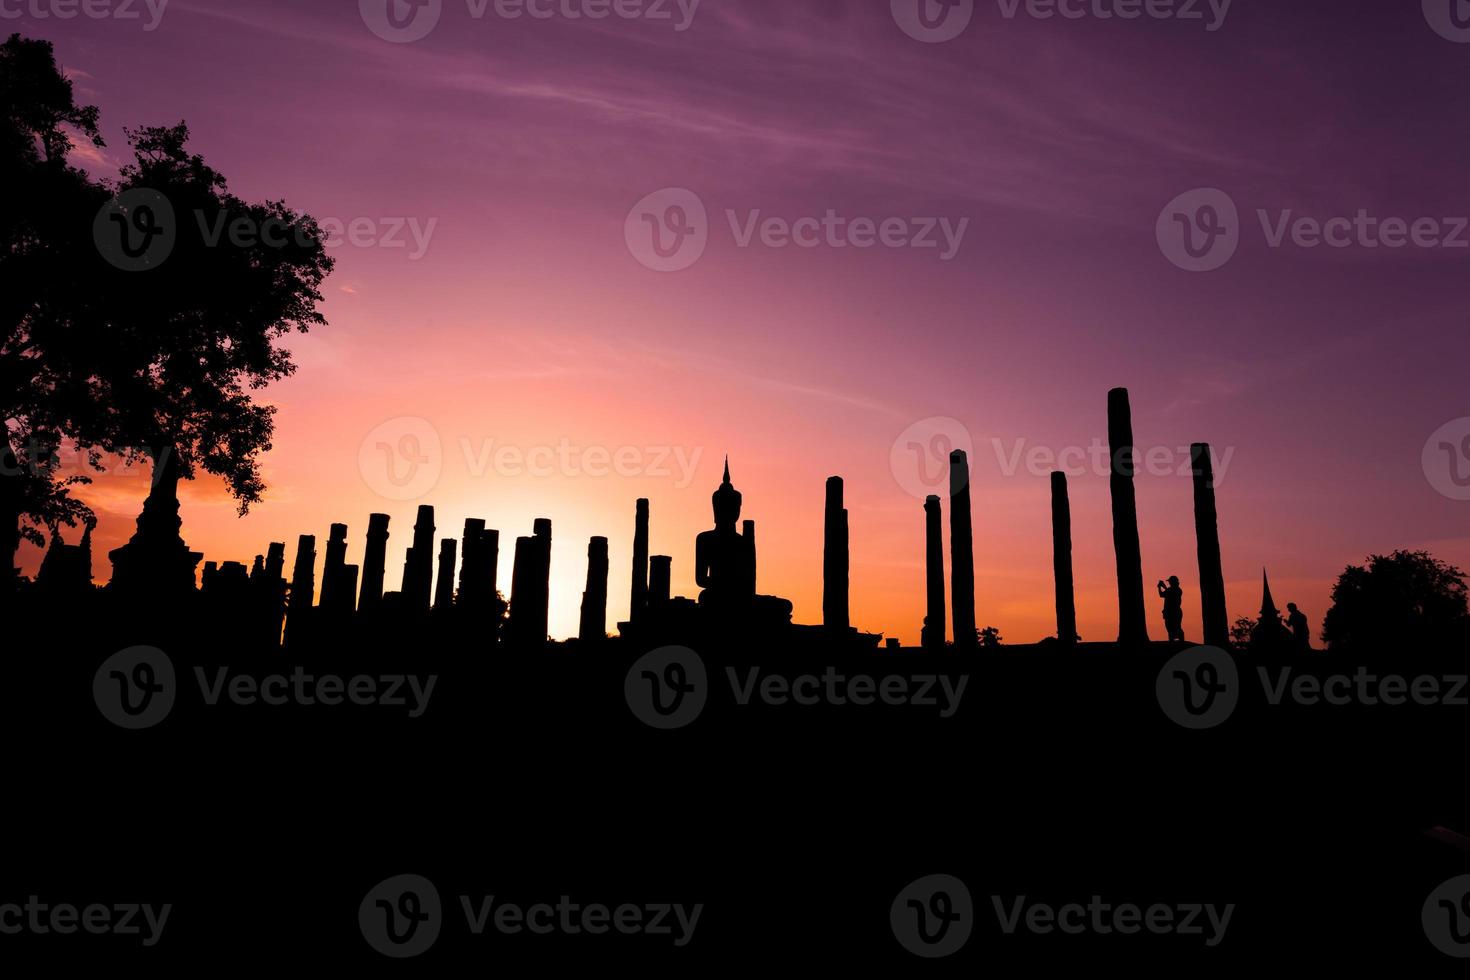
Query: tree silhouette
[(1406, 599), (1242, 631), (45, 246), (189, 339)]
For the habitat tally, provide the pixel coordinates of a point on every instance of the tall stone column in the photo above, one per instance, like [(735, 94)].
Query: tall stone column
[(835, 558), (593, 623), (418, 566), (542, 529), (1132, 624), (748, 533), (522, 574), (303, 584), (1061, 558), (933, 632), (272, 593), (1207, 544), (336, 597), (639, 598), (961, 551), (530, 582), (444, 588), (471, 583), (374, 561)]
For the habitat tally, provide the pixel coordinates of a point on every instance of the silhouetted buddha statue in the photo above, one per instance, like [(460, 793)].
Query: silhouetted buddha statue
[(724, 559), (724, 567)]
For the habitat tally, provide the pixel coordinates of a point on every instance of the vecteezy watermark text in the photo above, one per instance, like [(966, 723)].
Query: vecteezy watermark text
[(1200, 687), (1104, 918), (668, 688), (1200, 230), (128, 10), (139, 229), (137, 688), (406, 21), (402, 916), (38, 918), (669, 230), (1096, 459), (571, 460), (936, 21)]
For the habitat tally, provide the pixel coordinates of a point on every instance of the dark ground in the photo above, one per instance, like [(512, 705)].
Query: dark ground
[(528, 777)]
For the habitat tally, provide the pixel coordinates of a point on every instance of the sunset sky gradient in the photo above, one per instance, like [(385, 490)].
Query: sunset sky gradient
[(527, 321)]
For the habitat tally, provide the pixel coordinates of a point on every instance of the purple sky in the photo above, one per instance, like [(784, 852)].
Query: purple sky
[(526, 319)]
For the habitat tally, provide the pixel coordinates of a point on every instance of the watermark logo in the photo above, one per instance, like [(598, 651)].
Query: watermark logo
[(401, 459), (933, 21), (135, 688), (136, 231), (1199, 230), (401, 21), (920, 457), (1446, 459), (1450, 19), (933, 916), (401, 916), (1198, 688), (668, 230), (667, 688), (1446, 917)]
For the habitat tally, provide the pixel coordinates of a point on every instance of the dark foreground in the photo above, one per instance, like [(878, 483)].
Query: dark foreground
[(789, 829)]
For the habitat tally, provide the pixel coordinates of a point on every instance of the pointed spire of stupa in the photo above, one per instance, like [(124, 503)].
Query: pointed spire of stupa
[(1268, 607)]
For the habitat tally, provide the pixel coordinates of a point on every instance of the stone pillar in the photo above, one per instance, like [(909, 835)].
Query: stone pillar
[(749, 536), (275, 562), (961, 551), (529, 584), (639, 598), (542, 583), (418, 565), (336, 596), (660, 573), (1061, 558), (471, 569), (1207, 544), (271, 593), (374, 561), (835, 613), (1132, 625), (303, 584), (933, 632), (444, 590), (593, 623), (521, 574)]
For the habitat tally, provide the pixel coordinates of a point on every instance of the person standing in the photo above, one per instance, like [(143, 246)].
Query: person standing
[(1173, 597)]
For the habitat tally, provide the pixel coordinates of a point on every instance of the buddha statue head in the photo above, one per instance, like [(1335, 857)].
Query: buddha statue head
[(726, 500)]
